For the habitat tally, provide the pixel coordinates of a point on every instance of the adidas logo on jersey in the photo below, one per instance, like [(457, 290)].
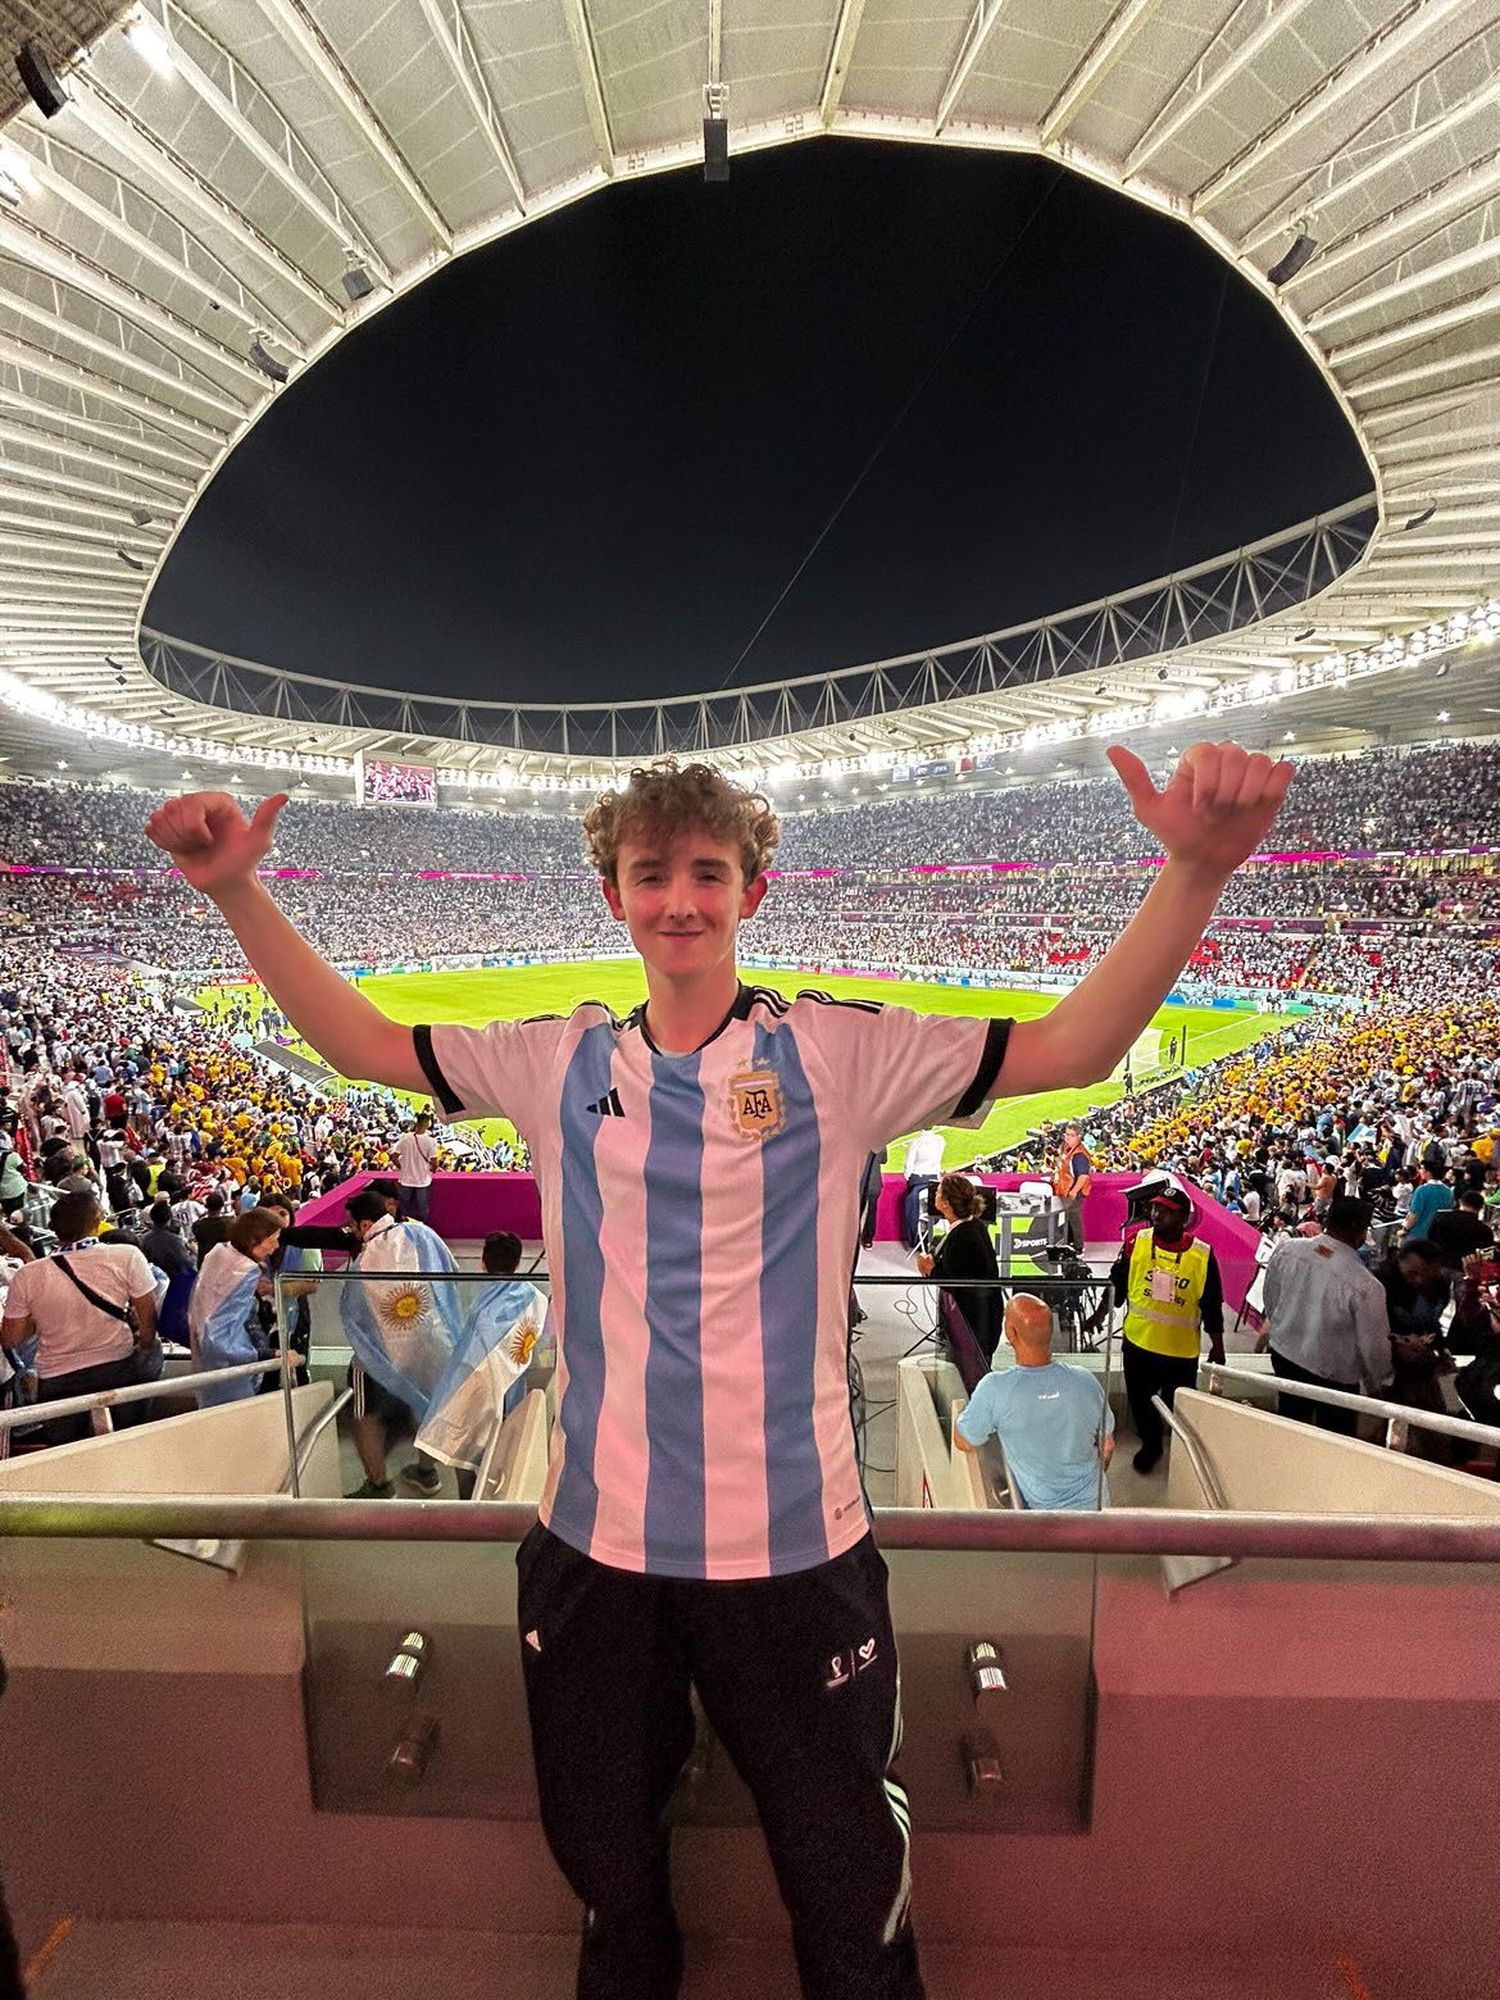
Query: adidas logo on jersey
[(608, 1106)]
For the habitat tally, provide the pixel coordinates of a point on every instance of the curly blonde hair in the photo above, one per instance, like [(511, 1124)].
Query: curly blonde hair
[(665, 799)]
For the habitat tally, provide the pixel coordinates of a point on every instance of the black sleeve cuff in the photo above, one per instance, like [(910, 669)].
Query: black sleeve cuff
[(996, 1037), (432, 1069)]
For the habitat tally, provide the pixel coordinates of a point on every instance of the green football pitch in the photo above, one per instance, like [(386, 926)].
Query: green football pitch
[(513, 992)]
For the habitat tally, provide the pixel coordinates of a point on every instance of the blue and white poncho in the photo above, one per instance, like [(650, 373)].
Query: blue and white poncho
[(224, 1322), (403, 1330), (484, 1379)]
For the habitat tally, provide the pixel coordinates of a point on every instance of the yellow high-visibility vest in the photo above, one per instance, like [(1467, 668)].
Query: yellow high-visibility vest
[(1165, 1327)]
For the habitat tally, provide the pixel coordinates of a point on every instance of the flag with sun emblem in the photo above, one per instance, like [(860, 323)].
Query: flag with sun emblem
[(489, 1364), (404, 1329)]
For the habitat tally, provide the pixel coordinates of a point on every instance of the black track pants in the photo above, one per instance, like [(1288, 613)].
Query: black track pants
[(1149, 1374), (798, 1676)]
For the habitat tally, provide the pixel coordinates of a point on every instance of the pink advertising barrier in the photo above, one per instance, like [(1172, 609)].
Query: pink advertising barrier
[(1231, 1239), (463, 1205), (469, 1206)]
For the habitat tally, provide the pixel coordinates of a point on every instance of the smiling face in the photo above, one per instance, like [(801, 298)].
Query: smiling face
[(683, 899)]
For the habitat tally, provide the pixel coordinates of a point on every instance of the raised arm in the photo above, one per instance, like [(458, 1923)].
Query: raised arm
[(1214, 812), (219, 850)]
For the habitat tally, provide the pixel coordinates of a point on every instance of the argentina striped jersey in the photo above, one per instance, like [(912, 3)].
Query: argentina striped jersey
[(700, 1215)]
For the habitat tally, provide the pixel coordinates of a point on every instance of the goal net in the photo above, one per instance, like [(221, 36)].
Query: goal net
[(1153, 1052)]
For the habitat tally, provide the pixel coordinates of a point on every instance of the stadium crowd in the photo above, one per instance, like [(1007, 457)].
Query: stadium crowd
[(1357, 1095), (1284, 930), (363, 884), (1408, 801), (820, 925), (119, 1086)]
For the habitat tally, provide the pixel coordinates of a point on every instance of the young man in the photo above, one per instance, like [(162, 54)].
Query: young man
[(699, 1167)]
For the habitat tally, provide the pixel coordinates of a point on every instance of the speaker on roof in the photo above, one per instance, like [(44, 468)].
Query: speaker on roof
[(40, 79), (715, 149)]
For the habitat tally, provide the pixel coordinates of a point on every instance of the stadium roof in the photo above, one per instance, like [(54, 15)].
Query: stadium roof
[(236, 183)]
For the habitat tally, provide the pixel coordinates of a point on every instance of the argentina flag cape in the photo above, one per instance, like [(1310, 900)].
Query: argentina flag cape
[(403, 1330), (484, 1377), (224, 1324)]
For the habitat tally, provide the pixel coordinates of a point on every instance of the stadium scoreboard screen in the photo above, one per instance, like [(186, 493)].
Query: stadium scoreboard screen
[(380, 784), (949, 767)]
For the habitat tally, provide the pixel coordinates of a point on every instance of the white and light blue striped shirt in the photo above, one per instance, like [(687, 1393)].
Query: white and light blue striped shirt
[(701, 1214)]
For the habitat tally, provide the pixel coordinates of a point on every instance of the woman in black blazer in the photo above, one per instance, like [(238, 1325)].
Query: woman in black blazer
[(967, 1252)]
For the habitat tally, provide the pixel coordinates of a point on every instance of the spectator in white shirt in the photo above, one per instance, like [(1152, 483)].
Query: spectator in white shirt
[(77, 1305), (416, 1150), (924, 1166), (1326, 1317)]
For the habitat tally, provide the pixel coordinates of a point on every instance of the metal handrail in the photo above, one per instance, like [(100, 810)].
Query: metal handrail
[(1115, 1531), (24, 1415), (228, 1552), (1370, 1406), (491, 1451), (1197, 1458), (310, 1437)]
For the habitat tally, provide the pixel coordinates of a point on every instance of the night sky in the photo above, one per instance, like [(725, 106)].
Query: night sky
[(584, 462)]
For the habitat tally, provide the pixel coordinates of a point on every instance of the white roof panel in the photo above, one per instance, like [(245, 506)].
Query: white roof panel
[(162, 221)]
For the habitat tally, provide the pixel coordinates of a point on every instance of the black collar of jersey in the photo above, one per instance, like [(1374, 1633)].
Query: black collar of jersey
[(744, 999)]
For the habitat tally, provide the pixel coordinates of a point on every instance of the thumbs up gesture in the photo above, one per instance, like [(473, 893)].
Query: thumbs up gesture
[(210, 839), (1216, 808)]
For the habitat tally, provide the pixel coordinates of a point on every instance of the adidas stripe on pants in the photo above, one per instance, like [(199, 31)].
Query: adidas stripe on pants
[(798, 1676)]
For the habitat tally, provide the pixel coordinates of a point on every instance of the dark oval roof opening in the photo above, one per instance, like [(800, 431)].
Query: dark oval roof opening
[(862, 400)]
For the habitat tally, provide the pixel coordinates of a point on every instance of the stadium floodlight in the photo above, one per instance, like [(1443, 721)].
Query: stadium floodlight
[(266, 361), (1300, 249), (149, 40), (17, 169), (141, 518)]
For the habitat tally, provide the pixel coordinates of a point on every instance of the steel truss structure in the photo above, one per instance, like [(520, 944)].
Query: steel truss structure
[(236, 183), (963, 684)]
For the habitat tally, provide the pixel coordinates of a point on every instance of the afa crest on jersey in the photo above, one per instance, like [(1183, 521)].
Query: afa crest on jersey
[(756, 1105)]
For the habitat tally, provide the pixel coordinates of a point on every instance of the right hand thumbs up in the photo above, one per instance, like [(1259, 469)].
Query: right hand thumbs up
[(211, 841)]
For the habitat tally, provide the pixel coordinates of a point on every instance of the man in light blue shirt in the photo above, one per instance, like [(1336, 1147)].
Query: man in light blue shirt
[(1053, 1421)]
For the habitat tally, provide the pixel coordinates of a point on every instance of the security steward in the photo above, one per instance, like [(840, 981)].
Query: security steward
[(1168, 1281)]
